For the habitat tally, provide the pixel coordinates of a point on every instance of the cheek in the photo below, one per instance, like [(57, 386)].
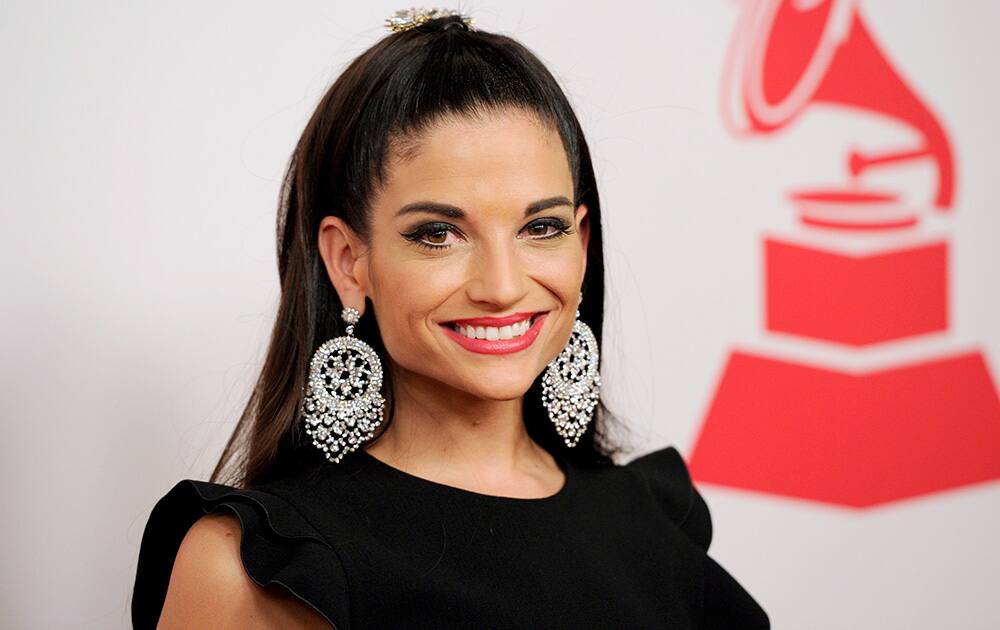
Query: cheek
[(559, 271), (407, 295)]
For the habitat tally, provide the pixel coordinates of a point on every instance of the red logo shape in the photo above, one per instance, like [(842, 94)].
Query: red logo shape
[(857, 438)]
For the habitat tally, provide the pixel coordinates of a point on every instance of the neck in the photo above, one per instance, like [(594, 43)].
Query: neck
[(449, 435)]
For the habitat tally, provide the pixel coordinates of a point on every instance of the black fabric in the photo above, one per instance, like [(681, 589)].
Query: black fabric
[(370, 546)]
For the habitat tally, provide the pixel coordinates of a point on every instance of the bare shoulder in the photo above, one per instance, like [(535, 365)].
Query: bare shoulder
[(209, 586)]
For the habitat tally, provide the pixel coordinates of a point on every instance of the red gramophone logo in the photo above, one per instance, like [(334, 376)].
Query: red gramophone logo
[(864, 267)]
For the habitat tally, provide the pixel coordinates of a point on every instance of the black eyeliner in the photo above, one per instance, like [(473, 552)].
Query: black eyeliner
[(416, 235)]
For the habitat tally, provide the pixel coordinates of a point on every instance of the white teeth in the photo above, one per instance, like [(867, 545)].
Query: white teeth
[(492, 333)]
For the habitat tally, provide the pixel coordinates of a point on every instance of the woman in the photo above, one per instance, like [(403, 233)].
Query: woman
[(437, 456)]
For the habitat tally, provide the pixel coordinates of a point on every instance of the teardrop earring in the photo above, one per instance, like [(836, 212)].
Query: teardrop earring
[(572, 382), (342, 403)]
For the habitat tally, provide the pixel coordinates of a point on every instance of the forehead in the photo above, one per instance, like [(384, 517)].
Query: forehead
[(483, 162)]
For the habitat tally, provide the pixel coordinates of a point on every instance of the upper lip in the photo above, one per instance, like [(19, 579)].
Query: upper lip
[(496, 322)]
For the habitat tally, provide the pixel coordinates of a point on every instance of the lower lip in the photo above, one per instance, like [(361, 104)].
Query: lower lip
[(497, 346)]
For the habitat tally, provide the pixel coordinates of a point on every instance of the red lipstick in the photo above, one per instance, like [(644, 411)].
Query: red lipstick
[(492, 321), (496, 346)]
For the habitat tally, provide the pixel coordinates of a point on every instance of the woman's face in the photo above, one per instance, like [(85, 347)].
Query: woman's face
[(478, 222)]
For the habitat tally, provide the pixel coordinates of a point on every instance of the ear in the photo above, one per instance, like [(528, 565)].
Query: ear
[(583, 229), (344, 256)]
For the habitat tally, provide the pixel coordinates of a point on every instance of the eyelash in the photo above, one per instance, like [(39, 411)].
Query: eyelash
[(416, 236)]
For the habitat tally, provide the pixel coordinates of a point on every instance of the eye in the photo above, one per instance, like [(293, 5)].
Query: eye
[(435, 235), (539, 229), (432, 235)]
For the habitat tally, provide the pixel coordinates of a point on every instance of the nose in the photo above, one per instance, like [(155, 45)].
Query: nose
[(498, 276)]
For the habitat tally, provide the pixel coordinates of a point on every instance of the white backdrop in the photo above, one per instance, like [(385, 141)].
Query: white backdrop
[(142, 149)]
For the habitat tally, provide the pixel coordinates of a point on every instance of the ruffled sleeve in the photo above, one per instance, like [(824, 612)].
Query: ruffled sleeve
[(669, 481), (278, 546), (725, 604)]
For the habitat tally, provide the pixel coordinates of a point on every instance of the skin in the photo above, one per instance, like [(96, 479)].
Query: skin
[(459, 415), (209, 588)]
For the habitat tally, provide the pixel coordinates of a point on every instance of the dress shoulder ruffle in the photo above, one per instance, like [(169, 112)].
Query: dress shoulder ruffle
[(669, 481), (278, 547), (726, 604)]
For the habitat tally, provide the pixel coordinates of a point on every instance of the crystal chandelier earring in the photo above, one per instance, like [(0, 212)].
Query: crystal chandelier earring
[(571, 384), (342, 403)]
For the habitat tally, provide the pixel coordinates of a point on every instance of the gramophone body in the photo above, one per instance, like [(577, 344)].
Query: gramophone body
[(857, 438)]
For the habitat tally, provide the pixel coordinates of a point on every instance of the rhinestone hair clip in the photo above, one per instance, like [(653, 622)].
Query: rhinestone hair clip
[(405, 19)]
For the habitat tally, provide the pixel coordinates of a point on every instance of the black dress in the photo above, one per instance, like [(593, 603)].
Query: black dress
[(370, 546)]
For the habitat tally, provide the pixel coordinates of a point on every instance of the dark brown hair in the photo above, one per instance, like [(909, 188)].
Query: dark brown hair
[(396, 89)]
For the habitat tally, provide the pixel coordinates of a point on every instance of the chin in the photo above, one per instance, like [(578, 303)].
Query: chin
[(499, 388)]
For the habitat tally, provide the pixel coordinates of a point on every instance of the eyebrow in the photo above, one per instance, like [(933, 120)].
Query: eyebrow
[(454, 212)]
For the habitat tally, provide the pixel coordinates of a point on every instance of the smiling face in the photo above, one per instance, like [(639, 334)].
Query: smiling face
[(474, 232)]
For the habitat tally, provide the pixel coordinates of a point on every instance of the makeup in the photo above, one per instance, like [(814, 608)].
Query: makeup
[(498, 345)]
